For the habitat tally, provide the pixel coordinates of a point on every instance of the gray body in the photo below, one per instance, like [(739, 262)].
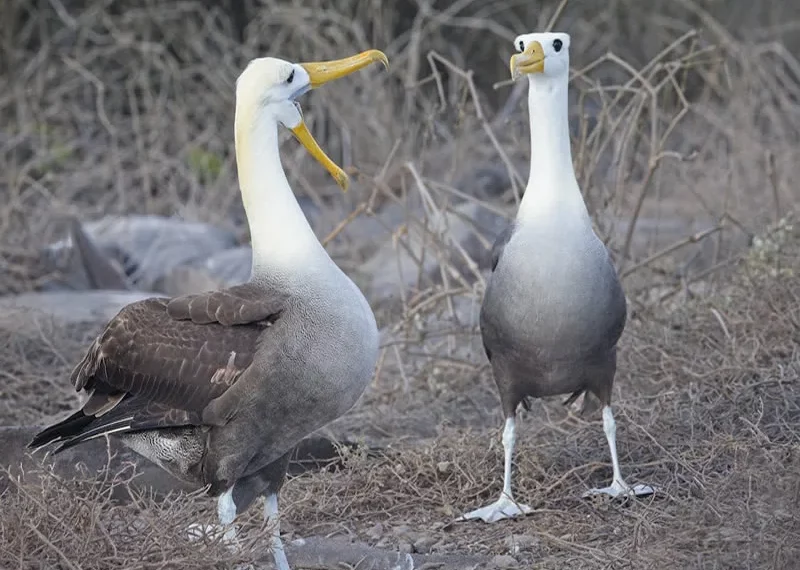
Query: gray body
[(554, 308), (219, 388), (552, 313)]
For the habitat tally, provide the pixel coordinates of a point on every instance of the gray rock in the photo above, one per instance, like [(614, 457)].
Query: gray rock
[(458, 239), (223, 269), (231, 266), (23, 313), (520, 542), (504, 562), (87, 266), (187, 280), (325, 553), (148, 247)]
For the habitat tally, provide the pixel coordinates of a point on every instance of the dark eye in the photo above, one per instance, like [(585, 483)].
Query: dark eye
[(521, 45), (291, 77), (557, 45)]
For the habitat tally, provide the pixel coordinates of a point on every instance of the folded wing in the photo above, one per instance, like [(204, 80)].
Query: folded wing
[(160, 362)]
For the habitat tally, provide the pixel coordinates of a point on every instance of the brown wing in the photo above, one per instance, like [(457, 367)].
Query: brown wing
[(239, 305), (160, 362)]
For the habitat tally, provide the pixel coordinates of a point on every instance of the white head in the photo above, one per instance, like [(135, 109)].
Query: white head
[(267, 90), (541, 55), (552, 195), (266, 94), (270, 86)]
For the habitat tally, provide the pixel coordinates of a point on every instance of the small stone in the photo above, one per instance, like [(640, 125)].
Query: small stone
[(503, 561), (405, 547), (424, 544), (443, 466), (401, 530), (412, 536), (519, 542), (376, 532)]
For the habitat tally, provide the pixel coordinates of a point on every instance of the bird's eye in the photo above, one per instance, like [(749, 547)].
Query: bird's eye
[(521, 45), (557, 44), (291, 77)]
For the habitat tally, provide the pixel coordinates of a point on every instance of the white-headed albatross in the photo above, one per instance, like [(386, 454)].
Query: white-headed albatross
[(218, 388), (554, 308)]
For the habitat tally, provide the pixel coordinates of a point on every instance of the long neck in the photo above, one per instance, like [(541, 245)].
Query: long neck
[(552, 189), (283, 242)]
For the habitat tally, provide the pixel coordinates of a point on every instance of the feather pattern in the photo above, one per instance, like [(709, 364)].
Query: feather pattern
[(159, 363)]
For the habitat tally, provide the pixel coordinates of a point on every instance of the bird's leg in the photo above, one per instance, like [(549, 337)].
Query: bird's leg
[(610, 429), (272, 517), (226, 513), (618, 485), (505, 506), (509, 442)]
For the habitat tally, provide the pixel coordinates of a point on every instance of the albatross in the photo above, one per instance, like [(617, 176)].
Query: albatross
[(218, 388), (554, 308)]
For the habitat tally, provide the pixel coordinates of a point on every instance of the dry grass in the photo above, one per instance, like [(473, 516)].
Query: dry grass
[(76, 524), (708, 407), (33, 372), (685, 141), (709, 410)]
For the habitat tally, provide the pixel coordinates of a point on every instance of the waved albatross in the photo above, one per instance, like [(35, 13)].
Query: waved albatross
[(553, 308), (218, 388)]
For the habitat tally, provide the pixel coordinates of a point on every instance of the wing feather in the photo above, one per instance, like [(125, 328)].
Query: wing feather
[(233, 306), (160, 362)]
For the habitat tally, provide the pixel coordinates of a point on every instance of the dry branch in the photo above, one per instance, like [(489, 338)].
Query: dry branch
[(128, 108)]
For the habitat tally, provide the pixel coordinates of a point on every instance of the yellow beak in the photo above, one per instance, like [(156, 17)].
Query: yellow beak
[(320, 73), (302, 134), (529, 61)]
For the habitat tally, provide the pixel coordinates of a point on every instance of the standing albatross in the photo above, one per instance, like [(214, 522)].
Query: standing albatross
[(554, 308), (218, 388)]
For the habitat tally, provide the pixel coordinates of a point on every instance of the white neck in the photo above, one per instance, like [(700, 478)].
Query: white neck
[(552, 189), (282, 240)]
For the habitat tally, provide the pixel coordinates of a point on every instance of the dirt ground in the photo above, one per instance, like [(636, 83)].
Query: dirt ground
[(707, 396)]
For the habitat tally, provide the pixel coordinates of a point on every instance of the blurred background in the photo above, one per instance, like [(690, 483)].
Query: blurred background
[(684, 117), (118, 181)]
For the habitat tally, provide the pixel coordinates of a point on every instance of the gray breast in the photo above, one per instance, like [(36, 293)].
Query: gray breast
[(556, 295), (324, 348)]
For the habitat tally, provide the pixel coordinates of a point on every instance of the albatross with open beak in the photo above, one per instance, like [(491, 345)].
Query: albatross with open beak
[(218, 388), (554, 308)]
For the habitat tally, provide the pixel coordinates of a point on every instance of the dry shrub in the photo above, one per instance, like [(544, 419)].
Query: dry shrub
[(684, 134), (128, 108), (35, 368), (76, 524), (707, 405)]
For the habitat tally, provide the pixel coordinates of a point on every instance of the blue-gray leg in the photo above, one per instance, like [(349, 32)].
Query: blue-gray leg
[(272, 517)]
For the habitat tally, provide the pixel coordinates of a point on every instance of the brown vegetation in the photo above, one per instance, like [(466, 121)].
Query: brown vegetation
[(686, 136)]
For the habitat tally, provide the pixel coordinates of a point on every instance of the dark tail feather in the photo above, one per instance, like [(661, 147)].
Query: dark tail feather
[(80, 427), (67, 428), (122, 424), (575, 395)]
